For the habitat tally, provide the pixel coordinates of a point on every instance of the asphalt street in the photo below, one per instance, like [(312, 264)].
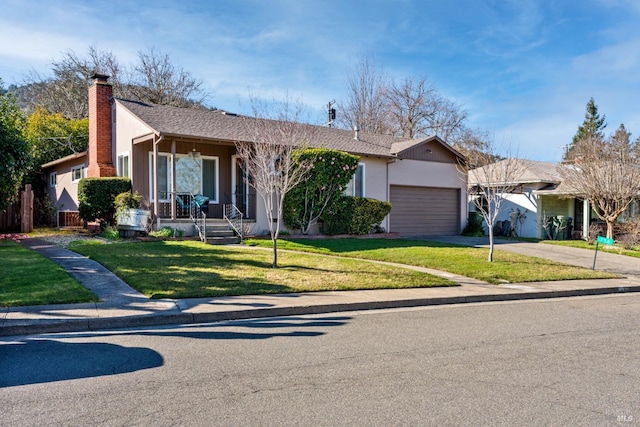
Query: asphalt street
[(567, 361)]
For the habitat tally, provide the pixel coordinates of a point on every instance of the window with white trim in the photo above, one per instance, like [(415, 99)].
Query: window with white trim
[(194, 174), (355, 187), (123, 165), (164, 177), (210, 172), (53, 179), (77, 173)]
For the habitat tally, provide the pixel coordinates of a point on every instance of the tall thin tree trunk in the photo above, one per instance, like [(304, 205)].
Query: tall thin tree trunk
[(490, 259), (275, 253)]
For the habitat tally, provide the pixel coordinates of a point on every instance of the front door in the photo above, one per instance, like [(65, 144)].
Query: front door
[(240, 187)]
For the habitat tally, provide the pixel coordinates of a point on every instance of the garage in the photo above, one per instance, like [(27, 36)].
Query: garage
[(424, 211)]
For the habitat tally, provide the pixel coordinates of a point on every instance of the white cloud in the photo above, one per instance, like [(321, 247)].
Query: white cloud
[(30, 44)]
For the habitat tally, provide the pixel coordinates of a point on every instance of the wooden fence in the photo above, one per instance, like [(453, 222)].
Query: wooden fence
[(18, 217)]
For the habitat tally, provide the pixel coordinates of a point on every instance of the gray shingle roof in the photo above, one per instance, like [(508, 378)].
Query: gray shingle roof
[(222, 126), (528, 171)]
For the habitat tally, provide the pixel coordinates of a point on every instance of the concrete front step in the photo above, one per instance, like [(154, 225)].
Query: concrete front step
[(218, 232), (223, 240), (225, 233)]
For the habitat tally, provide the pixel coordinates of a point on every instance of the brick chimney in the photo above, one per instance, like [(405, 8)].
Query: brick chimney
[(100, 145)]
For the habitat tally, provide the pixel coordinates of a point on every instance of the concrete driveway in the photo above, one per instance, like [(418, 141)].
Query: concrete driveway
[(621, 264)]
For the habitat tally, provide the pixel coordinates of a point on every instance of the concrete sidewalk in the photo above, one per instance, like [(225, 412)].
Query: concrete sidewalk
[(121, 306)]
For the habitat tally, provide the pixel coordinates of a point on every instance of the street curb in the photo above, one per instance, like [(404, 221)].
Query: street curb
[(186, 318)]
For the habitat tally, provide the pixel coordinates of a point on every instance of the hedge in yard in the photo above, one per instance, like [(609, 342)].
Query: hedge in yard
[(330, 173), (96, 198), (355, 215)]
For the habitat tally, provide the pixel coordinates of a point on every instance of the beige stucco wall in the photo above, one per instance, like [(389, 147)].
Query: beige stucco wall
[(128, 127), (65, 192)]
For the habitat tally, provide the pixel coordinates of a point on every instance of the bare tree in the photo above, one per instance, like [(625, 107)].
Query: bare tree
[(268, 162), (489, 184), (468, 142), (606, 172), (416, 109), (66, 91), (410, 107), (154, 79), (365, 107), (157, 80), (448, 119)]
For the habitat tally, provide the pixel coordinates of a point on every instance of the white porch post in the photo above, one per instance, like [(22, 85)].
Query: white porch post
[(586, 219), (156, 202), (173, 179)]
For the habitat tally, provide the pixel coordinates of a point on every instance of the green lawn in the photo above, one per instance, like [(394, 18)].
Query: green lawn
[(585, 245), (466, 261), (30, 279), (185, 269)]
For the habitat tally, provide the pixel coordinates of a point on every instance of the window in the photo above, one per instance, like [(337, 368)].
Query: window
[(53, 179), (210, 178), (194, 174), (123, 165), (164, 176), (355, 187), (77, 173)]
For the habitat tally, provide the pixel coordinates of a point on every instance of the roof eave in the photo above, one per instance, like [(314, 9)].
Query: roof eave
[(68, 158)]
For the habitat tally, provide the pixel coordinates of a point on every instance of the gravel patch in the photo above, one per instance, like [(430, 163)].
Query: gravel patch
[(63, 240)]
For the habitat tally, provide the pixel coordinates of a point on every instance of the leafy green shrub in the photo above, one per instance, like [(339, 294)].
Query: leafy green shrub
[(355, 215), (127, 200), (96, 198), (330, 172), (474, 225), (110, 233), (164, 232)]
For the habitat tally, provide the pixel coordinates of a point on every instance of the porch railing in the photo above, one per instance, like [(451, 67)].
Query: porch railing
[(187, 205), (234, 217), (244, 202)]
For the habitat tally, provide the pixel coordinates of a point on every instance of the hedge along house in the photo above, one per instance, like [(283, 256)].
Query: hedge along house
[(172, 153)]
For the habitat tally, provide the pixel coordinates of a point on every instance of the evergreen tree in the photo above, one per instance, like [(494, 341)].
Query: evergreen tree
[(14, 150), (591, 128)]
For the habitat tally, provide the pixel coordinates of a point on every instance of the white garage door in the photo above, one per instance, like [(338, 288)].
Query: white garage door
[(424, 211)]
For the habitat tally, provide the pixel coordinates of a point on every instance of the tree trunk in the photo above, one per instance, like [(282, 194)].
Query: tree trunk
[(610, 229), (490, 259), (275, 253)]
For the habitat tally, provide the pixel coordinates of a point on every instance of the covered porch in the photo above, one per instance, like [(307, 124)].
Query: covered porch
[(178, 176)]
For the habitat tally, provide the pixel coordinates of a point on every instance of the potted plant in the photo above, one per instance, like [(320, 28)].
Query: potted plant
[(129, 216)]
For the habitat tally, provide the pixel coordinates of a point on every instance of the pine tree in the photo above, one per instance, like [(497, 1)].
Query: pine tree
[(591, 128)]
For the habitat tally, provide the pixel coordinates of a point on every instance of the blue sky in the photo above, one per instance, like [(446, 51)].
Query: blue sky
[(523, 70)]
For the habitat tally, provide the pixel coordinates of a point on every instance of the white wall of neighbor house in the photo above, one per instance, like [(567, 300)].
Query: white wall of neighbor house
[(526, 204)]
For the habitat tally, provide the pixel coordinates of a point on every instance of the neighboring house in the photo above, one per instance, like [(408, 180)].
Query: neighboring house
[(539, 197), (168, 151), (62, 177)]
